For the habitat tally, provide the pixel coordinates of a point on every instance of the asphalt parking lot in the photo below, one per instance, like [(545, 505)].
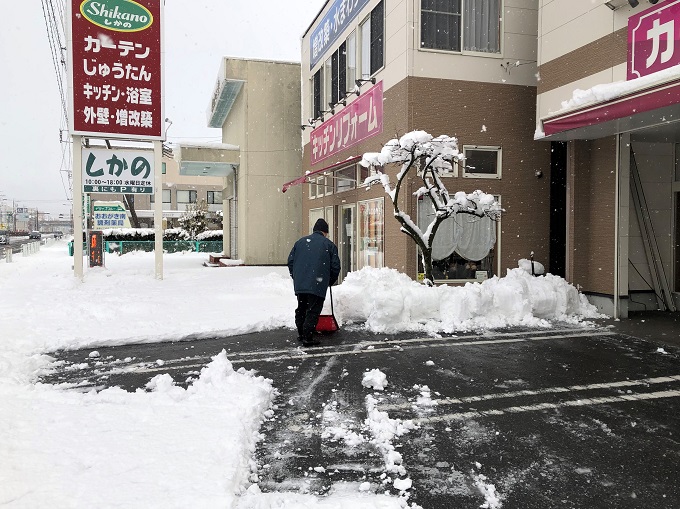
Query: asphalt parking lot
[(561, 417)]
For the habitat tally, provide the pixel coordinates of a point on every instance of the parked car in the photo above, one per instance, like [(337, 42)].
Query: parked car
[(34, 235), (4, 239), (58, 235)]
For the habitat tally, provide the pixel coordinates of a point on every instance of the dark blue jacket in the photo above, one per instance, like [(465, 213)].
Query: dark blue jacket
[(314, 264)]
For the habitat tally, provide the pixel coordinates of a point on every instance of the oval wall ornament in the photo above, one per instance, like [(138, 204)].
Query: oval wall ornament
[(117, 15)]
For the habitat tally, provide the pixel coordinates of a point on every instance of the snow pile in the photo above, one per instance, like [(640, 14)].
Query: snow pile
[(389, 301), (169, 446), (375, 379)]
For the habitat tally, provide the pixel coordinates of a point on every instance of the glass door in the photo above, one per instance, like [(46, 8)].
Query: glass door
[(347, 240)]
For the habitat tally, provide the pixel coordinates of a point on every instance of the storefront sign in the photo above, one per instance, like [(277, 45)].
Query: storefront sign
[(115, 58), (118, 171), (331, 26), (360, 120), (109, 214), (654, 39)]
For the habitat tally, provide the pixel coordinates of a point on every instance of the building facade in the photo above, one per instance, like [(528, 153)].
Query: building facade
[(256, 104), (607, 104), (378, 69)]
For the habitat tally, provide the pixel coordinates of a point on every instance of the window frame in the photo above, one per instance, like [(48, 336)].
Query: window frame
[(213, 197), (337, 179), (462, 50), (152, 196), (484, 148), (192, 192)]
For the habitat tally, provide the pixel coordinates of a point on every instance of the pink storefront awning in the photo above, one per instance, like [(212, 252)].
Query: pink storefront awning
[(639, 109), (305, 177)]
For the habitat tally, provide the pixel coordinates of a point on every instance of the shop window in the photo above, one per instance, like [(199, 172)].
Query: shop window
[(372, 34), (476, 27), (346, 179), (166, 196), (482, 162), (463, 248), (215, 197), (371, 233), (187, 196)]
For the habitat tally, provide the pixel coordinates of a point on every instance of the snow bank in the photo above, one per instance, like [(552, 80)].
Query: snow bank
[(389, 301), (166, 447)]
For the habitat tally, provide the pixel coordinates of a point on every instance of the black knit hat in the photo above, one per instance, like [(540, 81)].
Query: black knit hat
[(320, 226)]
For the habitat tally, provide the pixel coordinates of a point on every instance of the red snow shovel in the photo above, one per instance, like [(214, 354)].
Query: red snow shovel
[(327, 323)]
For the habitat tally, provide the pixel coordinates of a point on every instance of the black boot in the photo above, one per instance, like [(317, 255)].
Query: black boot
[(310, 340)]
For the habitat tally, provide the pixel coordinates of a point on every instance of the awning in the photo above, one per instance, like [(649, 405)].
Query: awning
[(303, 179), (640, 109)]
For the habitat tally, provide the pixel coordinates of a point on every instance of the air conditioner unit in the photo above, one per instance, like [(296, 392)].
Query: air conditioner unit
[(617, 4)]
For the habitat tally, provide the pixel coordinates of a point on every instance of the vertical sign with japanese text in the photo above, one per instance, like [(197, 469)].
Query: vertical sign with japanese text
[(115, 69), (96, 249), (654, 39), (358, 121)]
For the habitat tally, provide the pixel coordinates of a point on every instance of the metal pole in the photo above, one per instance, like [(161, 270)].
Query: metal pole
[(158, 207), (77, 158)]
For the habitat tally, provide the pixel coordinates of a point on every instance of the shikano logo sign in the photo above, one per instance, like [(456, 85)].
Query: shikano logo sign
[(117, 15)]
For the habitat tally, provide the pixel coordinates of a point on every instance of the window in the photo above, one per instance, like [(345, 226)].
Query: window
[(163, 168), (372, 32), (477, 27), (166, 196), (186, 196), (215, 197), (316, 94), (327, 83), (320, 186), (351, 50), (371, 233), (345, 179), (463, 247), (312, 188), (482, 162)]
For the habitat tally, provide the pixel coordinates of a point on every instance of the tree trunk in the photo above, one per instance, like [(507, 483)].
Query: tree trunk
[(130, 202), (427, 266)]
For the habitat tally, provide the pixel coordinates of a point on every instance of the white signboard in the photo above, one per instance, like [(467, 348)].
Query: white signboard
[(109, 214), (118, 171)]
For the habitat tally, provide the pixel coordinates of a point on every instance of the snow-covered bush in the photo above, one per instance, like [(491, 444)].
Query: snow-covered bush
[(210, 235)]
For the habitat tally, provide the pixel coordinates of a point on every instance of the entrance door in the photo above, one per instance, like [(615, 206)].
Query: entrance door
[(347, 238)]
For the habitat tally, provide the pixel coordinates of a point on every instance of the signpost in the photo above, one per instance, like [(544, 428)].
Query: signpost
[(115, 64)]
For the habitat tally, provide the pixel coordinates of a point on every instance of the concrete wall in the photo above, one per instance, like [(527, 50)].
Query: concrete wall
[(264, 123)]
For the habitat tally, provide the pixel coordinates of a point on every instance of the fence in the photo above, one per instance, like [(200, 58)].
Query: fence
[(169, 246)]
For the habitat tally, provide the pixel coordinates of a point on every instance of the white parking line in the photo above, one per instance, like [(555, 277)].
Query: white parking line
[(332, 351), (544, 406), (538, 392)]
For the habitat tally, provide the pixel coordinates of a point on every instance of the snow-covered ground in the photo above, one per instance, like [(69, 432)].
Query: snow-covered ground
[(173, 447)]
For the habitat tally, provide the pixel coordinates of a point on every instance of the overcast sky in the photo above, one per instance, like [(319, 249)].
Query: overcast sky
[(197, 34)]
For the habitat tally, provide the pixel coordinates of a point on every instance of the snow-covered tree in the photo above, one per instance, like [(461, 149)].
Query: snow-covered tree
[(431, 158), (193, 220)]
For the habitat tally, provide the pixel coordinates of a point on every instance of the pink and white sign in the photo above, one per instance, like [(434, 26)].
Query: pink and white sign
[(654, 39), (358, 121)]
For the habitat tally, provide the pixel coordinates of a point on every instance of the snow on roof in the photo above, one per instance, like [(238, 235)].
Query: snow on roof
[(210, 145)]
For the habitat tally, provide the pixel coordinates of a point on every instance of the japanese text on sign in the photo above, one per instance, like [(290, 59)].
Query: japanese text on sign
[(360, 120), (116, 68), (118, 171), (331, 26), (654, 39)]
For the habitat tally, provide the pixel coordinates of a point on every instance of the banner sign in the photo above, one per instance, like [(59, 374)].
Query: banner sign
[(356, 122), (115, 69), (118, 171), (654, 39), (109, 214), (331, 26)]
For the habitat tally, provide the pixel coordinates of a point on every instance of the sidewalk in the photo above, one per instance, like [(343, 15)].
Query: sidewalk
[(660, 326)]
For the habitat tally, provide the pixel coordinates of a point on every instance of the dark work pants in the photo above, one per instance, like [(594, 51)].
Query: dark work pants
[(307, 314)]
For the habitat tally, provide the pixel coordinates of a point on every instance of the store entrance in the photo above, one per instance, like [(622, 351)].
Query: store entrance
[(347, 239)]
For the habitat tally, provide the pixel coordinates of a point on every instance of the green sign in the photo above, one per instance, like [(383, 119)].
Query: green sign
[(118, 15)]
